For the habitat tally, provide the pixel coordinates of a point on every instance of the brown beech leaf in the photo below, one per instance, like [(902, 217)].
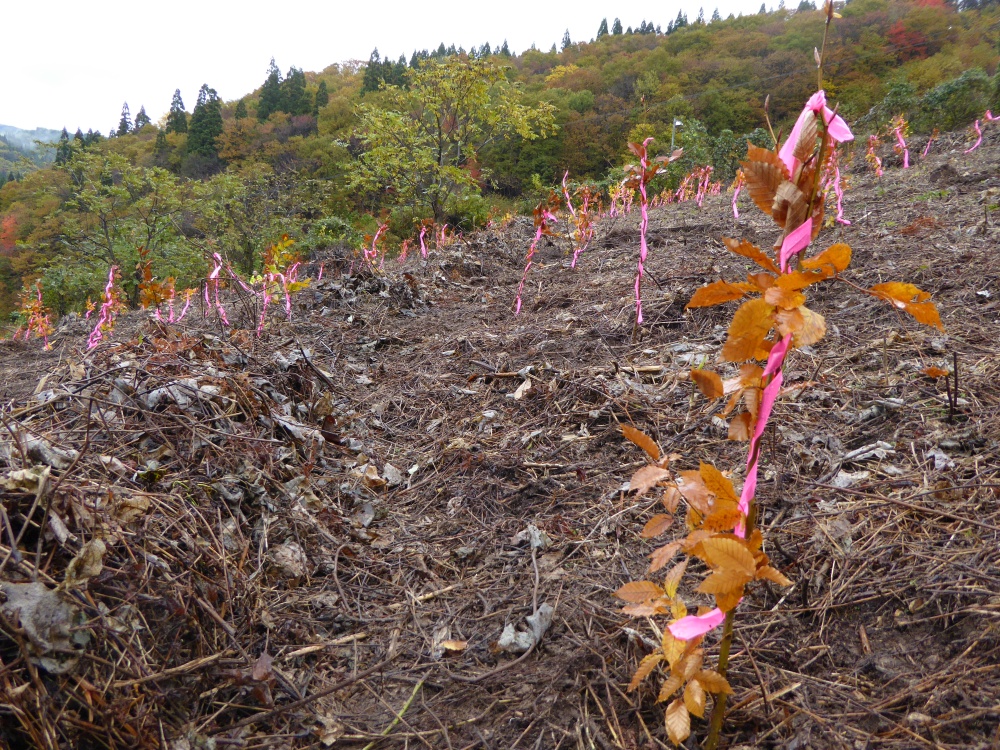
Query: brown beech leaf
[(790, 206), (934, 372), (725, 552), (728, 601), (806, 144), (646, 666), (656, 526), (741, 427), (724, 581), (646, 609), (773, 574), (716, 293), (671, 498), (717, 483), (708, 382), (673, 649), (801, 279), (764, 172), (751, 324), (637, 592), (678, 722), (673, 579), (646, 478), (670, 686), (641, 439), (688, 667), (911, 299), (713, 682), (807, 327), (836, 257), (784, 298), (723, 520), (752, 252), (694, 699), (692, 487), (663, 555)]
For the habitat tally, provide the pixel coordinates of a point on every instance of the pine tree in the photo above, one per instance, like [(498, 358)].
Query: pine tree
[(63, 150), (270, 93), (206, 124), (78, 138), (716, 16), (566, 41), (142, 119), (602, 30), (161, 145), (177, 119), (124, 124), (642, 27), (322, 98), (240, 112), (505, 50), (616, 27)]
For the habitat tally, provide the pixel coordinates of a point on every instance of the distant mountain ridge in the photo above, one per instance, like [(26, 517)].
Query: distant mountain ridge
[(25, 139)]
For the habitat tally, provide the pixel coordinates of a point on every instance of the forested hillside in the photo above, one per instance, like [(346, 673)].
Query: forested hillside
[(459, 136)]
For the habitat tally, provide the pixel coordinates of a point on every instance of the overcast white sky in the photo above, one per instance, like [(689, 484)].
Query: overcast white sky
[(72, 64)]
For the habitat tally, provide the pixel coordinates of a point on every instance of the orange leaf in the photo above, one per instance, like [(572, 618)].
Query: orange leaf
[(751, 251), (935, 372), (836, 257), (708, 382), (678, 722), (692, 486), (656, 526), (728, 601), (801, 279), (773, 574), (725, 552), (807, 327), (663, 555), (694, 699), (784, 298), (717, 483), (673, 649), (454, 645), (716, 293), (646, 609), (723, 520), (764, 172), (671, 498), (713, 682), (751, 324), (641, 439), (647, 665), (911, 299), (724, 581), (668, 688), (741, 427), (673, 578), (790, 206), (646, 478), (637, 592)]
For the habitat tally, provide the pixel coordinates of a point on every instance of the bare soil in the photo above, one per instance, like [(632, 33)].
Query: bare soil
[(260, 589)]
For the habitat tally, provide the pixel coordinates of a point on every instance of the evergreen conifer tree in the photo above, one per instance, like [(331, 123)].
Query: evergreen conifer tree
[(763, 10), (177, 121), (125, 123), (566, 41), (700, 20), (505, 50), (161, 146), (716, 16), (206, 124), (240, 113), (270, 93), (63, 149), (616, 27), (294, 99), (142, 119), (78, 137), (602, 30)]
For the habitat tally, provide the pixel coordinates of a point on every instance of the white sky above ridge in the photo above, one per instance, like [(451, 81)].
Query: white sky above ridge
[(73, 65)]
